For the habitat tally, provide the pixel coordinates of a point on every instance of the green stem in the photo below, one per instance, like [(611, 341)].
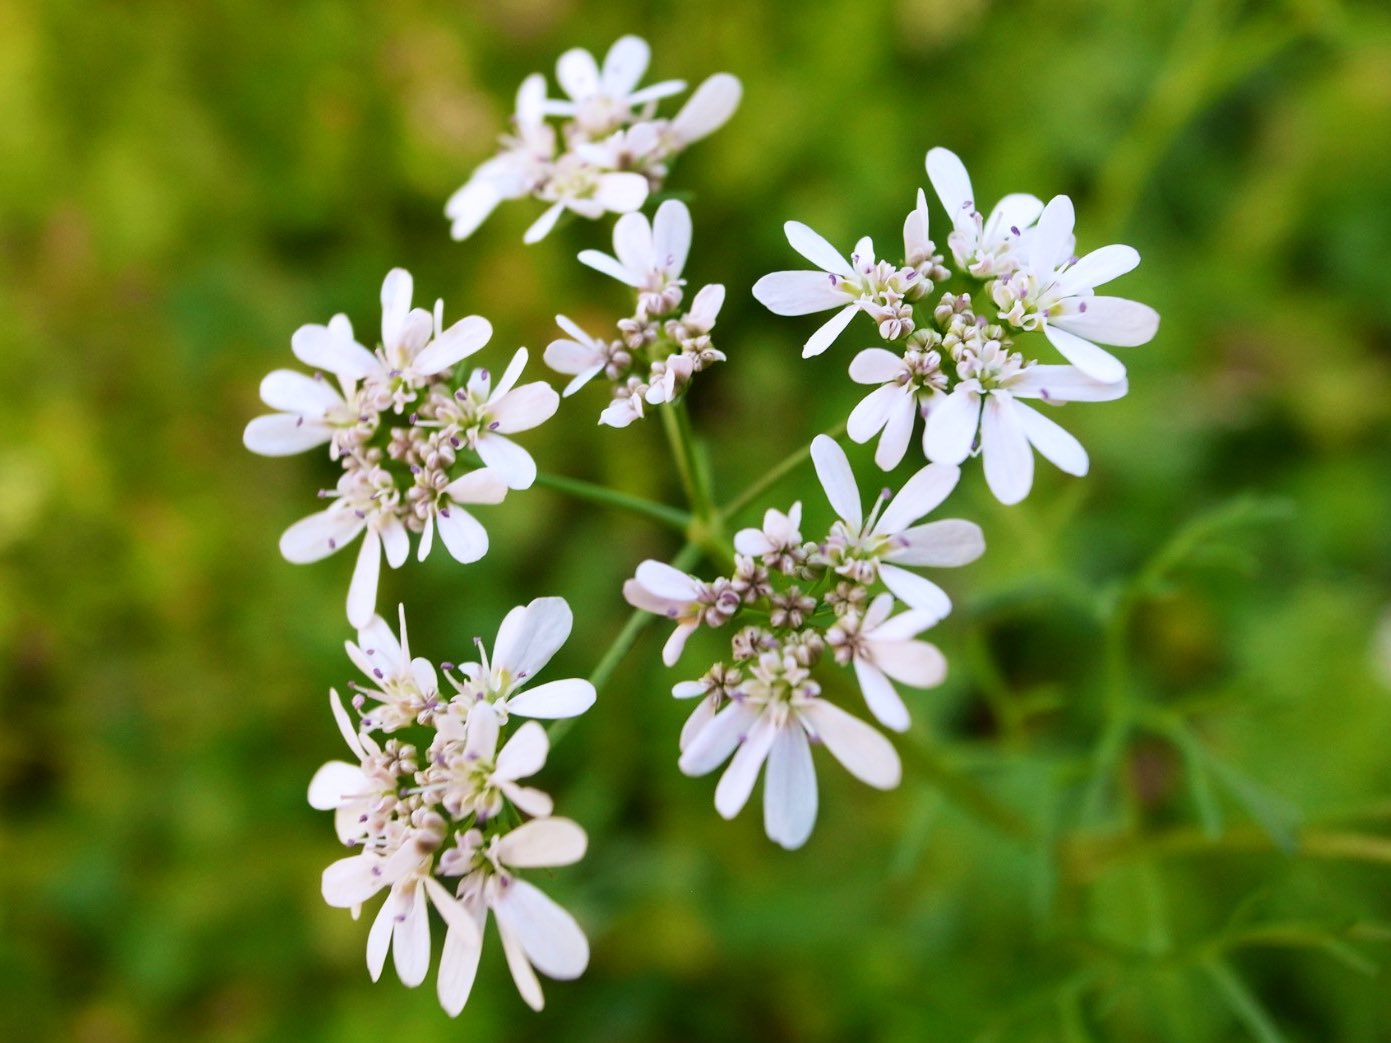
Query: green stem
[(670, 516), (774, 475)]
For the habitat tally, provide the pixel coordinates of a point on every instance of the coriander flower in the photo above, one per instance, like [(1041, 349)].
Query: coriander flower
[(527, 639), (882, 649), (778, 543), (984, 246), (987, 398), (406, 688), (351, 791), (910, 384), (578, 185), (582, 356), (1055, 292), (649, 256), (863, 549), (469, 776), (312, 412), (657, 587), (537, 934), (774, 719), (601, 100)]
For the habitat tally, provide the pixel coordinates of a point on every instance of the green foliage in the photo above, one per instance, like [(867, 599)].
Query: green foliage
[(1151, 802)]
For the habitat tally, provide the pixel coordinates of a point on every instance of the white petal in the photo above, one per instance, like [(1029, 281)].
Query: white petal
[(1018, 210), (951, 427), (789, 789), (1009, 462), (525, 753), (351, 881), (543, 842), (624, 65), (571, 357), (549, 935), (676, 643), (529, 636), (737, 782), (395, 541), (946, 543), (921, 493), (507, 459), (362, 592), (881, 697), (1052, 236), (953, 187), (410, 942), (541, 227), (1109, 320), (470, 206), (455, 344), (611, 266), (379, 938), (875, 366), (708, 109), (1099, 266), (621, 192), (717, 740), (1095, 362), (705, 308), (829, 331), (865, 753), (463, 536), (480, 486), (816, 249), (753, 542), (671, 236), (324, 348), (527, 799), (397, 289), (632, 242), (459, 963), (346, 727), (569, 697), (666, 582), (915, 591), (525, 407), (319, 535), (798, 293), (577, 73), (833, 469), (918, 663), (893, 444), (284, 434), (295, 392), (1052, 441), (1064, 384), (517, 963), (335, 781), (868, 418), (696, 722), (484, 725)]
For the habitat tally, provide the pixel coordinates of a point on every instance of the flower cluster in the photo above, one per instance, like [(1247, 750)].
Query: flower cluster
[(435, 804), (659, 348), (610, 152), (406, 429), (792, 605), (961, 350)]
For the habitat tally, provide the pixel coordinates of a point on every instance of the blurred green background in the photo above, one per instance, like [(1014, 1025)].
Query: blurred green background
[(182, 185)]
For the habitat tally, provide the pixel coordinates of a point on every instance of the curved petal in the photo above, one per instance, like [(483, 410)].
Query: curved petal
[(546, 933), (568, 697), (624, 65), (865, 753), (324, 347), (632, 242), (529, 636), (459, 962), (464, 537), (952, 184), (480, 486), (1064, 384), (717, 740), (1095, 362), (868, 417), (789, 789), (1052, 236), (916, 591), (922, 493), (525, 407), (621, 192), (735, 785), (816, 249), (284, 434), (798, 293), (296, 392), (1099, 266), (875, 366), (946, 543), (1109, 320), (410, 941), (611, 266), (833, 469), (881, 697), (577, 73), (661, 579), (707, 109), (1052, 441), (951, 427), (351, 881), (334, 782), (470, 206), (543, 842), (541, 227), (517, 963), (525, 753), (1009, 462), (319, 535), (696, 722), (571, 357), (918, 663), (671, 236), (832, 328), (455, 344), (507, 459)]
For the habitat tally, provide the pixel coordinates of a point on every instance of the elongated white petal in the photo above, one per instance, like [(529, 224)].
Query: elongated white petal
[(1109, 320), (346, 727), (379, 938), (676, 643), (717, 740), (525, 753), (319, 535), (484, 726), (527, 799), (464, 537), (470, 206), (1052, 236), (397, 288), (541, 227), (543, 842), (621, 192), (335, 781), (875, 366), (798, 293), (870, 415), (362, 592), (569, 697), (832, 328), (667, 582), (611, 266), (547, 934), (525, 407), (455, 344), (459, 963), (577, 73), (789, 789), (951, 427), (284, 434), (1009, 462), (507, 459), (735, 785), (624, 65), (410, 941), (881, 697), (702, 715), (658, 90), (480, 486), (351, 881), (323, 347), (671, 236), (529, 636), (946, 543), (632, 242), (916, 591), (920, 494), (833, 469), (708, 108), (816, 249), (298, 393), (865, 753), (1011, 216), (1052, 441), (893, 444), (1099, 266), (518, 964), (572, 356), (1097, 363), (918, 663), (952, 184), (1064, 384), (396, 542)]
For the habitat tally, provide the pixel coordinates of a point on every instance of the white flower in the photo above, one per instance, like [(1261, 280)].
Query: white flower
[(407, 688), (581, 356), (882, 648), (778, 541), (464, 537), (467, 774), (350, 791), (601, 100), (666, 591), (483, 416), (985, 246), (627, 404), (517, 171), (865, 548), (836, 285), (1055, 292), (909, 384), (706, 111), (576, 184), (649, 256), (313, 412), (537, 934), (775, 718), (719, 685), (988, 398), (367, 503), (526, 641)]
